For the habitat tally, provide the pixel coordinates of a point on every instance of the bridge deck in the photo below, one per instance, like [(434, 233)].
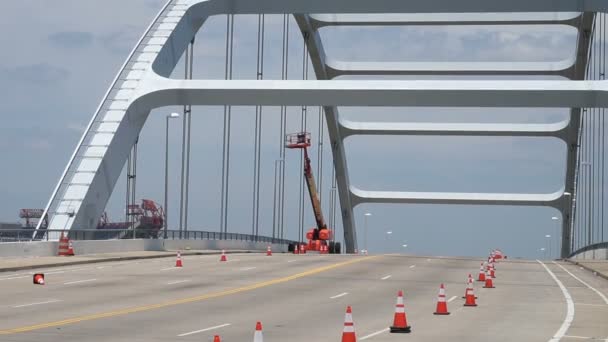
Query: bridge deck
[(150, 300)]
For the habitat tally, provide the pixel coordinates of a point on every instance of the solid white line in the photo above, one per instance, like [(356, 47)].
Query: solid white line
[(452, 298), (570, 306), (386, 277), (39, 303), (203, 330), (339, 295), (178, 282), (291, 260), (374, 334), (587, 304), (58, 272), (14, 278), (79, 281), (584, 283), (247, 268), (412, 266), (169, 268)]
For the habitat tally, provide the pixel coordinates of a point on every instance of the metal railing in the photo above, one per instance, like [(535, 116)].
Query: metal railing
[(23, 235)]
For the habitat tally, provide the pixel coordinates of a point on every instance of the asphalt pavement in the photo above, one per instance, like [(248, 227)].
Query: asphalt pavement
[(300, 298)]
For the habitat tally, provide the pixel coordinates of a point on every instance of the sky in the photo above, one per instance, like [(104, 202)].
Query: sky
[(62, 55)]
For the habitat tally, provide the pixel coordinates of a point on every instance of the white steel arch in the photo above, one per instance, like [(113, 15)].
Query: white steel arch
[(143, 84)]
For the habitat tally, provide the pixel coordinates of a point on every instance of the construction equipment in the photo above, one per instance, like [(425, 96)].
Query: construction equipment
[(321, 235)]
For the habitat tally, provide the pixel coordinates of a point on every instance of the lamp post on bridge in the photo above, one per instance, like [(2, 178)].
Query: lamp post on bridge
[(548, 236), (365, 232), (557, 235), (165, 221), (544, 250)]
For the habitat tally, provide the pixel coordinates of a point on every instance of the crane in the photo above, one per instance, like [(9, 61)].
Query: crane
[(321, 235)]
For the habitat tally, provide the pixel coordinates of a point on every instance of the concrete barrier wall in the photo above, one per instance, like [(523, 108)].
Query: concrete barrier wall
[(596, 254), (83, 247)]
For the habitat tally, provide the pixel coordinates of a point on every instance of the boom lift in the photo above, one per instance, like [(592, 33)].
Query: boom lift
[(321, 235)]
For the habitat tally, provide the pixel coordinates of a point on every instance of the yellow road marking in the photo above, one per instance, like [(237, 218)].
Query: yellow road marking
[(180, 301)]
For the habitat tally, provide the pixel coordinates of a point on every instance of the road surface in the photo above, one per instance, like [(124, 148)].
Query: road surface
[(300, 298)]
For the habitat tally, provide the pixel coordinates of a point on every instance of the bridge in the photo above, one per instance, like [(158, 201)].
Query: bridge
[(303, 297)]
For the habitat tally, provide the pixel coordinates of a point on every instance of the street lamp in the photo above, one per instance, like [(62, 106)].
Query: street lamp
[(166, 221), (543, 250), (549, 244), (365, 232), (556, 219)]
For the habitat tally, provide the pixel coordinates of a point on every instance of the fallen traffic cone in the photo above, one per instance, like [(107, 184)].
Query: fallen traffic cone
[(470, 297), (39, 279), (216, 338), (258, 336), (489, 284), (442, 305), (268, 251), (223, 257), (482, 274), (400, 320), (348, 333), (178, 262)]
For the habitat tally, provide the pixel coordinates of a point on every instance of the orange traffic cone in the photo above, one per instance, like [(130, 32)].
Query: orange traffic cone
[(268, 251), (400, 320), (489, 284), (258, 337), (216, 338), (296, 249), (470, 296), (39, 279), (223, 257), (492, 270), (469, 283), (70, 248), (482, 274), (178, 262), (442, 305), (348, 333)]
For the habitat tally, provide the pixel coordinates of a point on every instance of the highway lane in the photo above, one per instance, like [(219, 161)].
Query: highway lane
[(207, 297)]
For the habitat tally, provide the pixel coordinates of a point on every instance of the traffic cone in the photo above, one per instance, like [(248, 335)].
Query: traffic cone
[(39, 279), (70, 248), (492, 270), (178, 262), (442, 305), (400, 320), (489, 284), (470, 296), (216, 338), (469, 282), (296, 249), (482, 274), (268, 251), (348, 333), (223, 257), (258, 336)]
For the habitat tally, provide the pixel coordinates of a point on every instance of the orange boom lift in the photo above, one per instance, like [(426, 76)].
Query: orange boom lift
[(319, 238)]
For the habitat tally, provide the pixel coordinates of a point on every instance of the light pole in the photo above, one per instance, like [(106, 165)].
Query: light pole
[(549, 243), (365, 232), (545, 252), (166, 222), (557, 235)]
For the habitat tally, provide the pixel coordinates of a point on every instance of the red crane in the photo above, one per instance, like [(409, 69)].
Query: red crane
[(321, 235)]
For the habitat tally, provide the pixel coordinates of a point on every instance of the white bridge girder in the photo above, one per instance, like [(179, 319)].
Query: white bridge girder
[(143, 84)]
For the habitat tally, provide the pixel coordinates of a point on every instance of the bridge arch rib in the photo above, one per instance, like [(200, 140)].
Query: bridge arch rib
[(142, 85)]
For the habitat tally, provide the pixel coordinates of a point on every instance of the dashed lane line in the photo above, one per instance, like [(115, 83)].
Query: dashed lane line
[(339, 295), (584, 283), (39, 303), (374, 334), (386, 277), (79, 281), (203, 330), (452, 298), (178, 281)]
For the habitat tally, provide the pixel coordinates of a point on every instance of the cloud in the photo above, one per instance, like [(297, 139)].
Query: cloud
[(71, 39), (121, 41), (39, 144), (35, 73)]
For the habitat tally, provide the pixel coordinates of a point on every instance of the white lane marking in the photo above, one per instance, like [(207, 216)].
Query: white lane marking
[(374, 334), (452, 298), (247, 268), (58, 272), (79, 281), (39, 303), (386, 277), (169, 268), (584, 283), (587, 304), (178, 282), (570, 306), (412, 266), (291, 260), (100, 267), (234, 260), (203, 330), (339, 295), (14, 278), (585, 338)]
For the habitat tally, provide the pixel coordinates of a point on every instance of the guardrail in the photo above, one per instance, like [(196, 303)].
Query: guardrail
[(599, 245), (23, 235)]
